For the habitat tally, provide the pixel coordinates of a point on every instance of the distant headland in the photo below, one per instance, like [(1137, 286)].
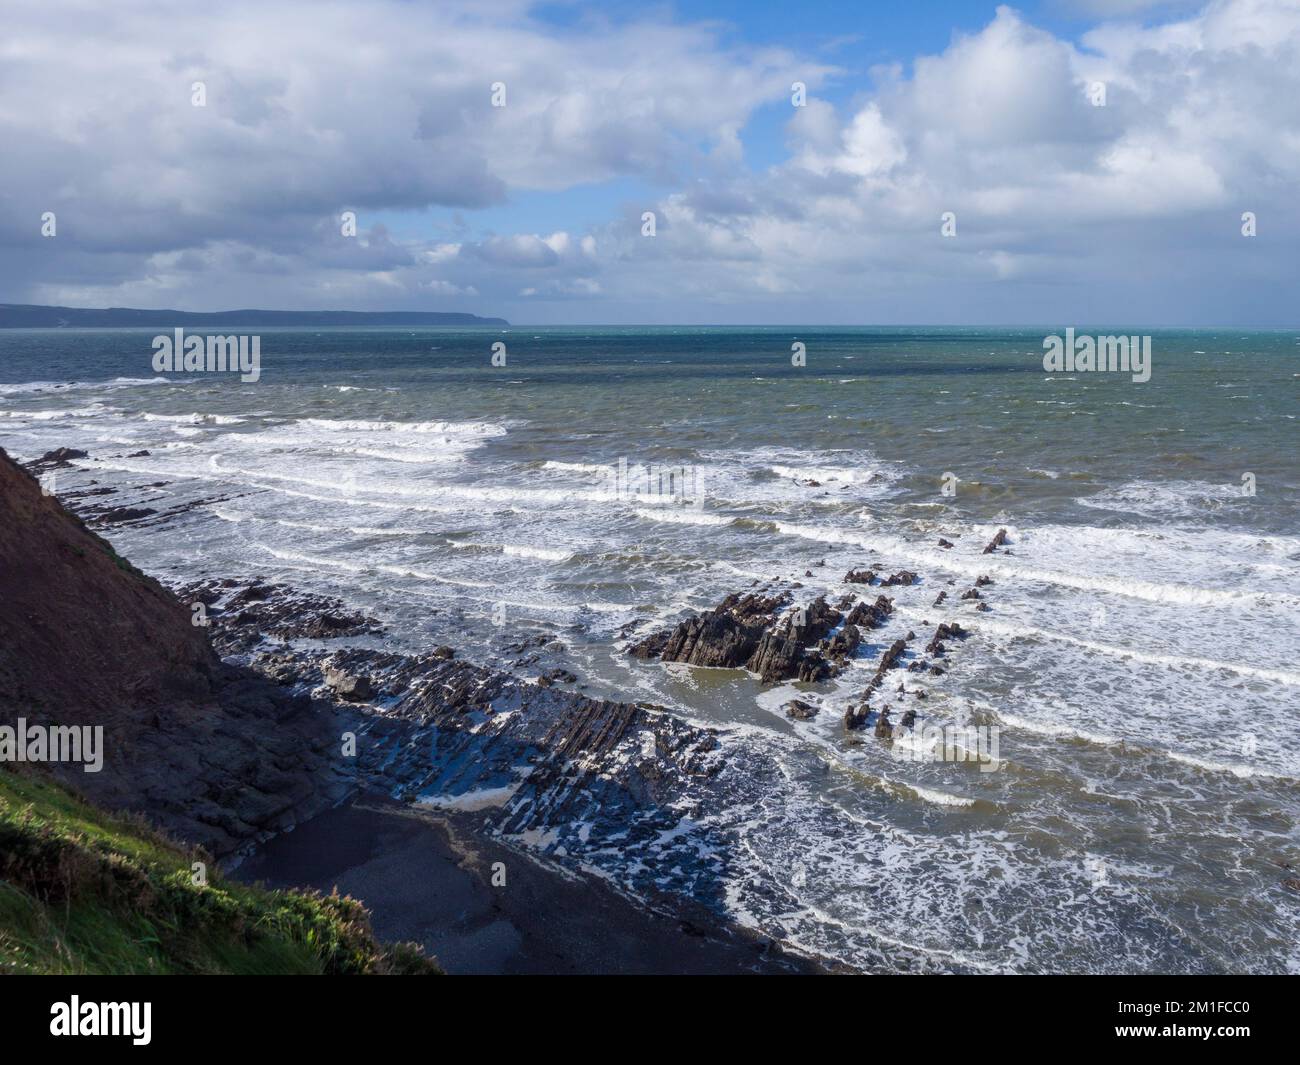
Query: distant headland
[(33, 316)]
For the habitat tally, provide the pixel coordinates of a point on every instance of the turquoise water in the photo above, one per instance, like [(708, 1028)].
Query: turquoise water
[(1138, 657)]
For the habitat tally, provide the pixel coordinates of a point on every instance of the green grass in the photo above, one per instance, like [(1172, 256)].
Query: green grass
[(84, 891)]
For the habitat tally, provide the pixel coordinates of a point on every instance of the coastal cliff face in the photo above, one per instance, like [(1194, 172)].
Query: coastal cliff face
[(83, 634), (213, 753)]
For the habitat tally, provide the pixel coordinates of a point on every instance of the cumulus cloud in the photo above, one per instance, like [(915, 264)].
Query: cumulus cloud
[(1063, 209)]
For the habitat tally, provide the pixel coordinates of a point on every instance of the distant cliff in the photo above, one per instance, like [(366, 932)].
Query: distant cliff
[(32, 316)]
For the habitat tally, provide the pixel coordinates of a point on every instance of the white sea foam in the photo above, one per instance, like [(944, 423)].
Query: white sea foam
[(195, 419), (685, 516), (1167, 499), (62, 386), (1050, 728), (1280, 676), (373, 567), (1003, 566), (548, 554), (238, 517), (938, 798), (481, 799), (443, 427), (825, 474), (54, 415), (579, 467)]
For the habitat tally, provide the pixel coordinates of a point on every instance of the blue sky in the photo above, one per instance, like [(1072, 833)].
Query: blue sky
[(1128, 207)]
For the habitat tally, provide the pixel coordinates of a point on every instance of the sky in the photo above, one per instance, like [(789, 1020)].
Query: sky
[(1066, 162)]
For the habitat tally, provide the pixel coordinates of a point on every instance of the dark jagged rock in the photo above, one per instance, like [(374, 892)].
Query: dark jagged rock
[(908, 719), (59, 458), (249, 613), (775, 657), (883, 728), (843, 643), (354, 688), (945, 543), (889, 660), (972, 593), (780, 652), (981, 581), (280, 667), (122, 515), (855, 717), (800, 710), (860, 576), (999, 538), (444, 652), (983, 607), (726, 637), (814, 667), (903, 577), (941, 597), (946, 630), (742, 632), (871, 615), (805, 627)]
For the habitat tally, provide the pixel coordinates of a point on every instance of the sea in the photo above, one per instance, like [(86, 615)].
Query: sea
[(1136, 666)]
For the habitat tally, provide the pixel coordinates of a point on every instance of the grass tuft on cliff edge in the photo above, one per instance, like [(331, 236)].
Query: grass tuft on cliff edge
[(84, 891)]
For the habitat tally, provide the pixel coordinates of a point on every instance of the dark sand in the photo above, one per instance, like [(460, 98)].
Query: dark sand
[(427, 876)]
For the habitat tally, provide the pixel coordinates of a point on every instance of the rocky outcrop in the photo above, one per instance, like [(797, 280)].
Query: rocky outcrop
[(883, 727), (726, 637), (745, 632), (855, 717), (783, 651), (355, 688), (59, 458), (889, 660), (871, 615), (945, 631), (999, 538), (903, 577), (254, 611)]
